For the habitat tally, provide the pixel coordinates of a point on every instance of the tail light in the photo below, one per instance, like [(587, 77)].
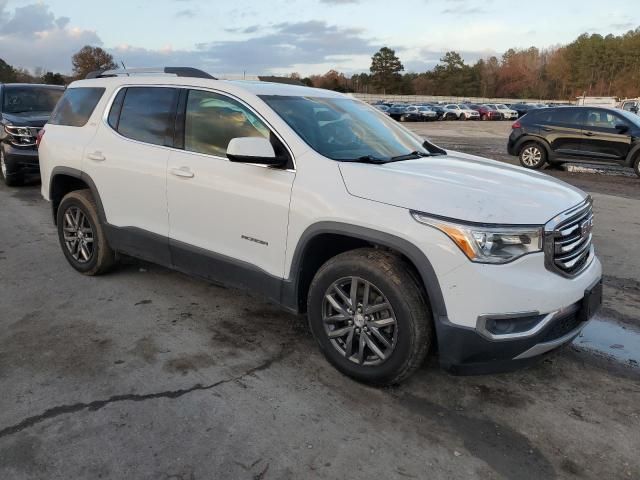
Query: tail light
[(39, 137), (516, 125)]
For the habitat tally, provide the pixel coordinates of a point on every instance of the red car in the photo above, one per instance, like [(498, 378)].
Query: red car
[(487, 113)]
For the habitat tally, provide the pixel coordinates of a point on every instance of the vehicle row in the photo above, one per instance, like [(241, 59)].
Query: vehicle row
[(418, 112)]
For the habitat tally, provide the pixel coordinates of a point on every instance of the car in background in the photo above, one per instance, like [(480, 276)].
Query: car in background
[(383, 108), (487, 112), (563, 134), (418, 113), (397, 110), (523, 108), (24, 109), (507, 112), (438, 109), (454, 111), (632, 106)]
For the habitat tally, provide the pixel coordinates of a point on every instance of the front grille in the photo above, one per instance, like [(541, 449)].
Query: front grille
[(568, 241), (561, 327)]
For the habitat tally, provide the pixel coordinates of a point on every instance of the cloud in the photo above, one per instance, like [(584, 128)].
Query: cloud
[(186, 13), (428, 59), (32, 36), (281, 47)]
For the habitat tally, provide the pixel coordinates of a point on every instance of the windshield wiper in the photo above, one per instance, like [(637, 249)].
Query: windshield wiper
[(409, 156), (364, 159)]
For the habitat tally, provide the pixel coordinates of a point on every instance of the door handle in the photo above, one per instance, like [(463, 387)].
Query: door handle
[(182, 172), (589, 134), (96, 156)]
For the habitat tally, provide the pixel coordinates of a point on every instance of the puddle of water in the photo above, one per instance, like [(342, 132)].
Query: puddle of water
[(621, 342)]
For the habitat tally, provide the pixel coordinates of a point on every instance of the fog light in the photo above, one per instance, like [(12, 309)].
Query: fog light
[(506, 325)]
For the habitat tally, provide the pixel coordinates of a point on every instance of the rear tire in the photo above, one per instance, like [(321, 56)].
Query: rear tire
[(533, 155), (82, 236), (387, 309), (636, 165), (11, 177)]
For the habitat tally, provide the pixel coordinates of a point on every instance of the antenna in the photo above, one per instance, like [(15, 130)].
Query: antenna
[(124, 67)]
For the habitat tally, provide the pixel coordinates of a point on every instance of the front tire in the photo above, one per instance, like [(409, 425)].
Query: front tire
[(369, 316), (636, 165), (82, 236), (533, 155), (11, 177)]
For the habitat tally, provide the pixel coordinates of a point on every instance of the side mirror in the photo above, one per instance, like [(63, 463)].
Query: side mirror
[(622, 128), (252, 150)]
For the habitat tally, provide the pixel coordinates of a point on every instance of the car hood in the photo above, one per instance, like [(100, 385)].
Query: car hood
[(27, 119), (463, 187)]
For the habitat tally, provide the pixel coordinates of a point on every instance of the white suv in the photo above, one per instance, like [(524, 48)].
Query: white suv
[(460, 112), (324, 205)]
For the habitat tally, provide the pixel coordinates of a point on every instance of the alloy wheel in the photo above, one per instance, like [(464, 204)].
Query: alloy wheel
[(78, 235), (359, 321), (531, 156)]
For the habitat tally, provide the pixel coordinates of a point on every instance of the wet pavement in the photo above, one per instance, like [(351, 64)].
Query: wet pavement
[(609, 338)]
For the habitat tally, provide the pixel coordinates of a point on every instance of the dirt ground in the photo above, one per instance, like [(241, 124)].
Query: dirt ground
[(149, 374)]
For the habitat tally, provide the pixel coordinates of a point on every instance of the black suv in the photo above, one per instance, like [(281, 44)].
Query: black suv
[(569, 134), (24, 109)]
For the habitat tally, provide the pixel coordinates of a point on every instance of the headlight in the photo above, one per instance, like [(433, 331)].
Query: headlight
[(23, 136), (488, 244)]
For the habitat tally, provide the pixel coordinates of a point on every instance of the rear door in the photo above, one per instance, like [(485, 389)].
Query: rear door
[(602, 140), (127, 160), (562, 128)]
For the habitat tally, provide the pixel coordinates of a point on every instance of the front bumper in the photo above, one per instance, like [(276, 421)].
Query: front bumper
[(468, 351), (21, 159)]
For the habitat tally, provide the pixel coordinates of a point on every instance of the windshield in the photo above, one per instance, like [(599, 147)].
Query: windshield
[(345, 129), (30, 99), (502, 107), (631, 117)]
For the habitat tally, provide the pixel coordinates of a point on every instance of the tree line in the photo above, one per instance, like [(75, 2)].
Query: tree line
[(592, 65)]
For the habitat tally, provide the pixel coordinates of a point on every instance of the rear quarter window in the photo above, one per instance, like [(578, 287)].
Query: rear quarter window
[(76, 106)]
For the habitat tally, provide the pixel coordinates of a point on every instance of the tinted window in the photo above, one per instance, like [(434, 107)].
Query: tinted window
[(30, 99), (565, 116), (76, 106), (603, 119), (213, 120), (116, 108), (147, 114)]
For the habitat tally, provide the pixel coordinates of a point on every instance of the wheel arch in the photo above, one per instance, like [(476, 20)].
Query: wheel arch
[(67, 179), (312, 252), (533, 138)]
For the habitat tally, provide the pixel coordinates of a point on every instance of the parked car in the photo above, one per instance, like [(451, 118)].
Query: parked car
[(24, 109), (556, 135), (632, 106), (440, 111), (459, 112), (387, 242), (523, 108), (487, 112), (383, 108), (507, 112), (415, 113), (397, 110)]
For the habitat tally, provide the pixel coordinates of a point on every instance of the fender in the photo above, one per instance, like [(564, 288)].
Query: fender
[(80, 175), (413, 253)]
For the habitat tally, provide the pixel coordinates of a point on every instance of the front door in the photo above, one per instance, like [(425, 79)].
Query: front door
[(602, 138), (227, 220)]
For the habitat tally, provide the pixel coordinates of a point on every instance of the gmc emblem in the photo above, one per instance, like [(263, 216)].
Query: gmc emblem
[(586, 227)]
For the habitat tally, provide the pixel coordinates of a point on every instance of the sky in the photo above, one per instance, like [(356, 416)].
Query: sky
[(284, 36)]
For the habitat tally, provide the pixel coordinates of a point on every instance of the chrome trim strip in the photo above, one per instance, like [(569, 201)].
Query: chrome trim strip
[(545, 347)]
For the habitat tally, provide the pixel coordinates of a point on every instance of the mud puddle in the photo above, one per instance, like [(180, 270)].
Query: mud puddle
[(607, 337)]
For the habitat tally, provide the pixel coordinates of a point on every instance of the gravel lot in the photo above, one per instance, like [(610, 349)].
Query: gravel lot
[(147, 373)]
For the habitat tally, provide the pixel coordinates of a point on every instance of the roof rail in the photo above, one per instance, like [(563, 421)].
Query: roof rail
[(177, 71)]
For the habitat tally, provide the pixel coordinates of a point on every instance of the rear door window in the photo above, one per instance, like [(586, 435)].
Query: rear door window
[(569, 117), (76, 106), (147, 114)]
